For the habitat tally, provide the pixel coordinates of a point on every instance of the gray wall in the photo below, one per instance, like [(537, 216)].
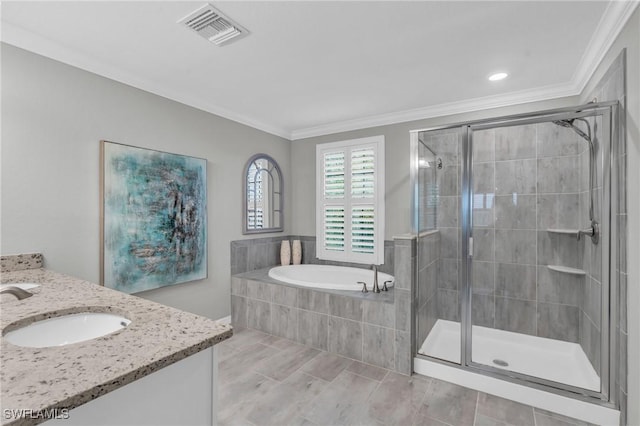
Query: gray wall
[(629, 39), (397, 188), (53, 117), (606, 84)]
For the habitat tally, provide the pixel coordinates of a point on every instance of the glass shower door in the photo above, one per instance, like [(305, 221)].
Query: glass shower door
[(438, 244), (536, 303)]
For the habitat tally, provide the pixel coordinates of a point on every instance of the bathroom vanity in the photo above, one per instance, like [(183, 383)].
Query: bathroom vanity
[(159, 369)]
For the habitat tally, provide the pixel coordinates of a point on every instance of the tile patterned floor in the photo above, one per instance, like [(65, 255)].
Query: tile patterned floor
[(266, 380)]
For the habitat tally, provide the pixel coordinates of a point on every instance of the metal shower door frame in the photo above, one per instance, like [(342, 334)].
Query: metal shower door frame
[(609, 309)]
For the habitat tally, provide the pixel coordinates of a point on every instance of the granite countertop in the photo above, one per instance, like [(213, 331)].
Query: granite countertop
[(40, 379)]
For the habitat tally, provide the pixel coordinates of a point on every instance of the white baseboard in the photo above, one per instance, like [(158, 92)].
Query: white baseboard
[(224, 320)]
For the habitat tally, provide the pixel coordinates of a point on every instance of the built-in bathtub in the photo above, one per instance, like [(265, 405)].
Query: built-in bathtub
[(373, 328), (329, 277)]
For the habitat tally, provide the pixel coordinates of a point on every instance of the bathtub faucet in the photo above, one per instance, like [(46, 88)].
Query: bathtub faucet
[(376, 289)]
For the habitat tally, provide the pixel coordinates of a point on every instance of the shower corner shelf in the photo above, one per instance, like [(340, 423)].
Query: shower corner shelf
[(567, 270), (573, 232)]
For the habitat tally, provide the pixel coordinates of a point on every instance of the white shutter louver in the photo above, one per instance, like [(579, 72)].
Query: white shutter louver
[(334, 175), (363, 229), (334, 228), (363, 173)]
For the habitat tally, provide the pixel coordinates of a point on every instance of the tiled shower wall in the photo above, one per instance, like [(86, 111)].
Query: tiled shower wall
[(526, 180), (427, 300), (526, 184), (441, 279), (612, 87), (591, 298)]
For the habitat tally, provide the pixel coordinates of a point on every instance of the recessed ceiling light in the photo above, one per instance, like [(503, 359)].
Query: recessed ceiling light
[(498, 76)]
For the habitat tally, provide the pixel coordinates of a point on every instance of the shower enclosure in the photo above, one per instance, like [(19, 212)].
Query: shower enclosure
[(514, 247)]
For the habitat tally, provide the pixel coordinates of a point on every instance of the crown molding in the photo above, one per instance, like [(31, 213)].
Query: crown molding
[(17, 36), (613, 20), (440, 110)]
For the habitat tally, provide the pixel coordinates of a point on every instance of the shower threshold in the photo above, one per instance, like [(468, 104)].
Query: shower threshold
[(549, 359)]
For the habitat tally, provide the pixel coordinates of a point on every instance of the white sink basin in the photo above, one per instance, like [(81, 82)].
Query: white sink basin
[(23, 286), (67, 329)]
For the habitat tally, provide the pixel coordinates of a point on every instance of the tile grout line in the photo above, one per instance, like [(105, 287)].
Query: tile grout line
[(320, 351), (299, 369), (264, 362), (374, 393), (329, 383), (475, 413), (377, 387), (424, 397), (494, 262), (537, 218), (304, 407)]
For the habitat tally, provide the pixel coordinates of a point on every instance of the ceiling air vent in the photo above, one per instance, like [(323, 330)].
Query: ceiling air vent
[(213, 25)]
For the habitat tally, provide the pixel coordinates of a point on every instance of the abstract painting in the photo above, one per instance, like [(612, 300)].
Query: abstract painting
[(154, 218)]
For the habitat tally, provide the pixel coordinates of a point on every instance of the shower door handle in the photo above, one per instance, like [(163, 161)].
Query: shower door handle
[(470, 246)]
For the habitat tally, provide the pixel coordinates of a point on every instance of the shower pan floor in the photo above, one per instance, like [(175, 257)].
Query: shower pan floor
[(548, 359)]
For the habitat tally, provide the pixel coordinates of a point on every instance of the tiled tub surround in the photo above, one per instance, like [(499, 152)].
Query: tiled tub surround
[(258, 253), (68, 376), (366, 327)]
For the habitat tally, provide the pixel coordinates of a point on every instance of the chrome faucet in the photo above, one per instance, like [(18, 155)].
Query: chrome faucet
[(593, 232), (17, 292), (376, 289)]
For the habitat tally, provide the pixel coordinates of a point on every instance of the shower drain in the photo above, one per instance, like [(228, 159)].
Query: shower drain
[(500, 362)]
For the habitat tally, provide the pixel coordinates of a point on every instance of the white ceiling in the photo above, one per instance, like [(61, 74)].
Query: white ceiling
[(311, 68)]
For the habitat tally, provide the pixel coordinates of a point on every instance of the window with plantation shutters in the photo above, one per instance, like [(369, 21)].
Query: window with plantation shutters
[(350, 200)]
